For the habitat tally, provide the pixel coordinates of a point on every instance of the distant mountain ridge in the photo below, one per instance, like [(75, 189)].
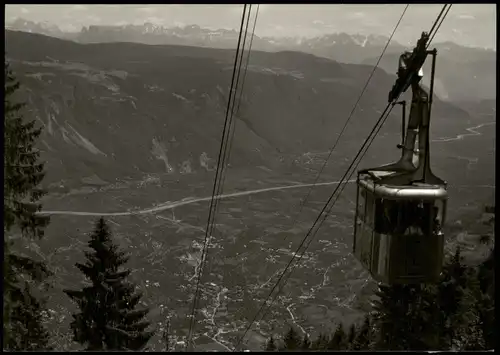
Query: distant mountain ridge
[(464, 73), (131, 32)]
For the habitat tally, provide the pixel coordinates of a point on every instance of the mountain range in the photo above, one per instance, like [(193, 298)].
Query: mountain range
[(125, 108), (463, 73)]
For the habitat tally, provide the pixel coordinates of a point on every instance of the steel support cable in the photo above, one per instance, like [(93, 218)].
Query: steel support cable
[(369, 140), (221, 163), (344, 185), (440, 23), (383, 121), (221, 157), (304, 201), (310, 230), (232, 128), (341, 186), (245, 72), (377, 128), (326, 210), (196, 295), (437, 19)]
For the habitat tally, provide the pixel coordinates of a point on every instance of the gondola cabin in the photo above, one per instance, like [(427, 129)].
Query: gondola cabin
[(400, 208), (398, 229)]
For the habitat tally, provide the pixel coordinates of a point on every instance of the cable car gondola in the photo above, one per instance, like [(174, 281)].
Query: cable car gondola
[(401, 207)]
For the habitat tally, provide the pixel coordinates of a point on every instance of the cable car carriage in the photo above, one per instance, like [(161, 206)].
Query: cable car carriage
[(401, 207)]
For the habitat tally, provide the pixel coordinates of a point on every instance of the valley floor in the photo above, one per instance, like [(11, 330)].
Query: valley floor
[(255, 237)]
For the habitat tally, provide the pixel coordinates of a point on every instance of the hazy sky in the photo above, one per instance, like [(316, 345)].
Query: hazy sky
[(467, 24)]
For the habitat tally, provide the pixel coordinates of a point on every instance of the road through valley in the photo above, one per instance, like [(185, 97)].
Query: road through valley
[(186, 201)]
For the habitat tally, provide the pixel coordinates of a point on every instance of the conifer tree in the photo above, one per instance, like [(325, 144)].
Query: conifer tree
[(166, 336), (23, 173), (107, 319), (486, 300), (486, 278), (27, 330), (339, 339), (475, 329), (451, 299), (364, 336), (292, 340), (486, 274), (454, 308), (402, 318), (445, 316), (470, 332), (320, 343), (306, 343), (351, 335), (271, 345)]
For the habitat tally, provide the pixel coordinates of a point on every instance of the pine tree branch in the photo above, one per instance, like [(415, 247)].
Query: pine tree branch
[(35, 269)]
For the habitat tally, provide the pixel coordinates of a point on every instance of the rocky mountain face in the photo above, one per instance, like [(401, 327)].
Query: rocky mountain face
[(463, 73), (43, 28), (122, 109), (343, 47)]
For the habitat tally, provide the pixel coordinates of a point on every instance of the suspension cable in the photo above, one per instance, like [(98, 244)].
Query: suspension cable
[(332, 149), (365, 151), (437, 19), (203, 256), (246, 68), (352, 112), (308, 233), (379, 127), (232, 127), (227, 141), (440, 23), (367, 143)]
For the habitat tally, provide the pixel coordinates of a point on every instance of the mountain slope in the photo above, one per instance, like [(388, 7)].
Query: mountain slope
[(122, 109)]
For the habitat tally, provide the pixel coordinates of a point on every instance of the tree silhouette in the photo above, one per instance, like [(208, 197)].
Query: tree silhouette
[(23, 173), (321, 342), (486, 299), (403, 318), (339, 339), (306, 343), (271, 345), (292, 340), (364, 336), (107, 319), (351, 336)]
